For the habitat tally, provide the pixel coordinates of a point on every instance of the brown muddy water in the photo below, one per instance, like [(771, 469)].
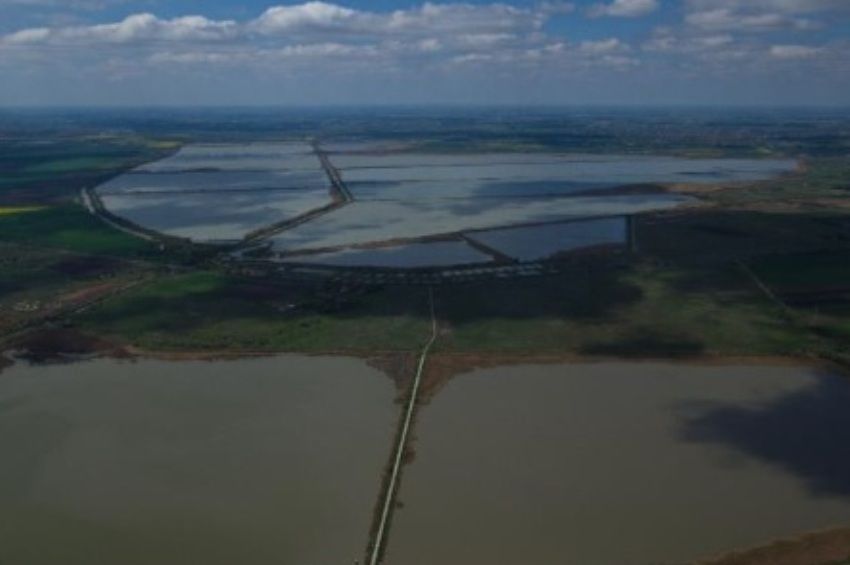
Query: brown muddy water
[(265, 461), (622, 464)]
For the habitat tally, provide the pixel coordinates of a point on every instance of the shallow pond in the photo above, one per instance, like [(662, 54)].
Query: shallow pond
[(440, 253), (610, 170), (539, 242), (210, 216), (399, 195), (365, 222), (249, 156), (262, 461), (216, 181), (616, 463)]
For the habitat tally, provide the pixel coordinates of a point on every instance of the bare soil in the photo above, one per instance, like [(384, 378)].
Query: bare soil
[(58, 344), (816, 548)]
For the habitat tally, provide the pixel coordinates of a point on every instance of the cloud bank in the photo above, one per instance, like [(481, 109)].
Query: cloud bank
[(552, 52)]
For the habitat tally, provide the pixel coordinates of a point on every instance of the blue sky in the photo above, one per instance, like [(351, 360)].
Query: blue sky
[(625, 52)]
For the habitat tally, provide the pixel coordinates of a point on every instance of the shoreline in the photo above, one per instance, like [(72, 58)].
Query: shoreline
[(818, 547), (459, 362)]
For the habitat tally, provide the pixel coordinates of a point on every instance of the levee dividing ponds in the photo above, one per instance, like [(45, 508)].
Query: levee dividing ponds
[(340, 196), (375, 547)]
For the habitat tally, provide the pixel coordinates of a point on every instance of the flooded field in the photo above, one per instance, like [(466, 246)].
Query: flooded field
[(540, 242), (443, 253), (219, 182), (213, 216), (209, 192), (616, 463), (220, 192), (581, 170), (238, 157), (370, 222), (255, 462)]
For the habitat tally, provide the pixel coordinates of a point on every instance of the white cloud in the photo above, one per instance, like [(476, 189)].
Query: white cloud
[(619, 61), (485, 24), (794, 51), (423, 36), (604, 46), (484, 40), (764, 15), (625, 8), (311, 15), (771, 6), (668, 40), (725, 19), (31, 35), (713, 41), (64, 4), (430, 45), (427, 19), (324, 38), (134, 28)]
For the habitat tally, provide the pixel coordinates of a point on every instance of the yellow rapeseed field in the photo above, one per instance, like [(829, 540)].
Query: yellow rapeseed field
[(10, 210)]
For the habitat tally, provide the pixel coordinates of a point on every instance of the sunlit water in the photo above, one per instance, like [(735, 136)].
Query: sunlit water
[(220, 192)]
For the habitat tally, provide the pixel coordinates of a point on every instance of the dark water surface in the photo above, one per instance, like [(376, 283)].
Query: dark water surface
[(442, 253), (270, 461), (609, 464)]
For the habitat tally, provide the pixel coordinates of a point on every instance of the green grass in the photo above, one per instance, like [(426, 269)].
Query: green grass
[(816, 287), (213, 311), (805, 271), (49, 170), (643, 312), (71, 227), (69, 165), (646, 312)]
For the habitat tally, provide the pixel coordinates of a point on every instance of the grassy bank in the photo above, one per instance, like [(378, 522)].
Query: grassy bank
[(644, 311)]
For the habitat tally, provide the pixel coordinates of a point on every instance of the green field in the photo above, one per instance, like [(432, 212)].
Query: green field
[(640, 312), (71, 227), (683, 295), (212, 311), (54, 169), (821, 178), (637, 312)]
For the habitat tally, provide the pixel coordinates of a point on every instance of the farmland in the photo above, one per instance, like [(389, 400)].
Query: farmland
[(598, 285), (684, 293)]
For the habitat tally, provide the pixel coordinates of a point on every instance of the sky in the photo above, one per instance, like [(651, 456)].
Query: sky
[(391, 52)]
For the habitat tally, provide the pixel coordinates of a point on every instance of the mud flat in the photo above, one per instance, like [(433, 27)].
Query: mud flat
[(257, 461), (622, 463)]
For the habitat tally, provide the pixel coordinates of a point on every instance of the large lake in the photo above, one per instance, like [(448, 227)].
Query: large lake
[(267, 461), (633, 464)]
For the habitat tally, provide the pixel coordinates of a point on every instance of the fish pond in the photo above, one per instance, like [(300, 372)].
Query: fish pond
[(632, 463), (274, 460)]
